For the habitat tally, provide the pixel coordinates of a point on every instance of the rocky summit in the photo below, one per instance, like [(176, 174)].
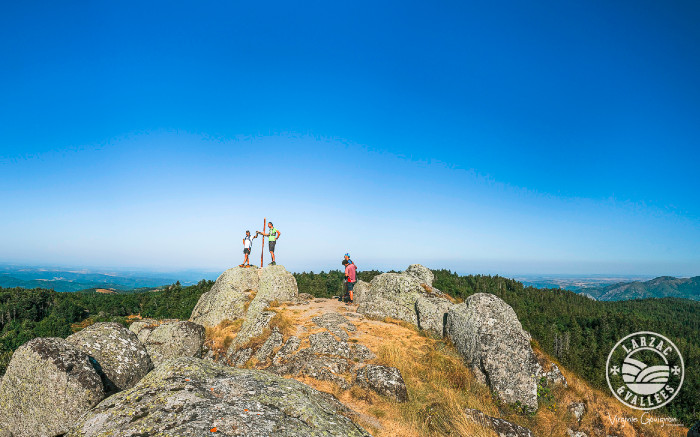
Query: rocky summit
[(48, 384), (193, 397), (123, 359), (258, 358)]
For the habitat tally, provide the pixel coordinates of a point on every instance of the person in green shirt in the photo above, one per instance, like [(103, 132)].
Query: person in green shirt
[(273, 234)]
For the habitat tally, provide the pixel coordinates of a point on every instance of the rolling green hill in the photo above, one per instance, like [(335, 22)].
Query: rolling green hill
[(663, 286)]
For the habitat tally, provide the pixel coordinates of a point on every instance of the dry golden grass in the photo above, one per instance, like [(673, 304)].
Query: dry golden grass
[(283, 321), (132, 318), (251, 296), (218, 338), (75, 327), (439, 385), (601, 405)]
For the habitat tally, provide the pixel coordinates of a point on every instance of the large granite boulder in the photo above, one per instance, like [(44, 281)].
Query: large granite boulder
[(432, 313), (174, 339), (396, 295), (48, 385), (423, 274), (276, 283), (228, 297), (143, 327), (122, 358), (193, 397), (361, 292), (253, 326), (384, 380), (488, 335), (392, 295)]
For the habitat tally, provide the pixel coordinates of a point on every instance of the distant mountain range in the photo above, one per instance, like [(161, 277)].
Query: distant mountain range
[(75, 280), (663, 286)]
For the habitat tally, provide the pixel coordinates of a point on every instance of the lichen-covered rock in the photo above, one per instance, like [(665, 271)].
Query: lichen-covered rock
[(238, 358), (253, 326), (502, 427), (571, 433), (337, 324), (287, 350), (432, 313), (321, 367), (395, 294), (380, 308), (553, 376), (48, 385), (325, 344), (122, 358), (490, 339), (273, 342), (191, 397), (361, 292), (276, 283), (360, 352), (175, 339), (227, 298), (578, 409), (423, 274), (143, 327), (384, 380)]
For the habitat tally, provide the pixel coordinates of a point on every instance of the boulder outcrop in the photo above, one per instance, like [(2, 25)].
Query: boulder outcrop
[(121, 357), (490, 339), (384, 380), (173, 339), (276, 284), (432, 313), (407, 296), (48, 384), (228, 297), (189, 396), (392, 295), (423, 274)]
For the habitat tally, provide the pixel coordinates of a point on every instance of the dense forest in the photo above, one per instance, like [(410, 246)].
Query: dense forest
[(577, 331)]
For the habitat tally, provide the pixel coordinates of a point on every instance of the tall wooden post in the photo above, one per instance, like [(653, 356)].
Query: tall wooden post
[(263, 242)]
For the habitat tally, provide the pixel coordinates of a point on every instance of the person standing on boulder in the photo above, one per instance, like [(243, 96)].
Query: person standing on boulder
[(273, 235), (247, 247), (350, 277)]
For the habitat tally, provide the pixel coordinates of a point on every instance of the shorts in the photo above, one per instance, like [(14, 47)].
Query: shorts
[(350, 285), (246, 251), (272, 245)]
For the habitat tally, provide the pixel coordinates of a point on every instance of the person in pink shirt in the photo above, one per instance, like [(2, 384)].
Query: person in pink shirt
[(350, 277)]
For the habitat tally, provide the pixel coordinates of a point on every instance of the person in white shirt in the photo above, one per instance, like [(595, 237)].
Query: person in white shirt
[(247, 247)]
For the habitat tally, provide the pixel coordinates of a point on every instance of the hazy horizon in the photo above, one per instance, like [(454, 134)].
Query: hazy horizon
[(328, 266)]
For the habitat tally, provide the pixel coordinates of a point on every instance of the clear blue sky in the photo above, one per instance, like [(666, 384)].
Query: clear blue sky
[(498, 137)]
